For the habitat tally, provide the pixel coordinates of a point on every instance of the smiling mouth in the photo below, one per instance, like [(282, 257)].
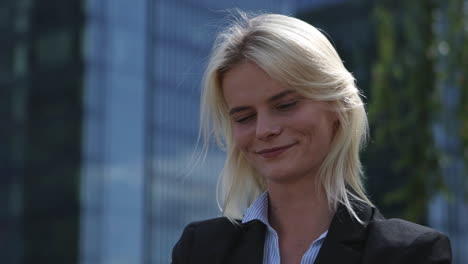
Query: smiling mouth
[(274, 152)]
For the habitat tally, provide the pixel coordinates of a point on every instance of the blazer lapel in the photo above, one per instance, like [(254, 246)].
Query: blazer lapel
[(248, 249), (346, 237)]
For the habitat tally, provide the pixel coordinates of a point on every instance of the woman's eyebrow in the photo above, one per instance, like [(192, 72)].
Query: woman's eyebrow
[(238, 109), (271, 99), (280, 95)]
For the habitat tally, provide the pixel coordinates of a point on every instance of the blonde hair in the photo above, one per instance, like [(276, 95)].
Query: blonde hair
[(301, 57)]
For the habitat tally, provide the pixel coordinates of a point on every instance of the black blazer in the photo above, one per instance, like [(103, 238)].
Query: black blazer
[(380, 241)]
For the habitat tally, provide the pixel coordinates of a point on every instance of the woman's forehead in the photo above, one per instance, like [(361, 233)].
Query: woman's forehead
[(248, 81)]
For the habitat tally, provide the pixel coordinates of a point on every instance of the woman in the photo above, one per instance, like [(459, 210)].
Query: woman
[(292, 122)]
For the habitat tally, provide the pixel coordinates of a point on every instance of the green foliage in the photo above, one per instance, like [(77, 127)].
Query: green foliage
[(402, 104), (456, 72), (457, 69)]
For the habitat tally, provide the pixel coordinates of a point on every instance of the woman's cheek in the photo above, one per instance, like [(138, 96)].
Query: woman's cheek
[(242, 138)]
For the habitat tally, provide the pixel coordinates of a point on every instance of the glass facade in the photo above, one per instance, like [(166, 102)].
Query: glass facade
[(41, 84), (14, 80), (113, 132)]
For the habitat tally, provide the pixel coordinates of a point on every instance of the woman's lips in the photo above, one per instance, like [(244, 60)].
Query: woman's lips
[(274, 152)]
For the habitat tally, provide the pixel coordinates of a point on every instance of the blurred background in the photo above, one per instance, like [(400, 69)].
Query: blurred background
[(99, 118)]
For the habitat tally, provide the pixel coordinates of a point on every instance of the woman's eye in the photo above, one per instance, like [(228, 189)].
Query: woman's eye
[(244, 119), (286, 106)]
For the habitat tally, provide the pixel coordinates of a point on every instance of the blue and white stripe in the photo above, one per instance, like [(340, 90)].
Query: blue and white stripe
[(259, 210)]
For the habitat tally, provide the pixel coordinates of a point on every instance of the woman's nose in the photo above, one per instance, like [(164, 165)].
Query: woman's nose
[(267, 127)]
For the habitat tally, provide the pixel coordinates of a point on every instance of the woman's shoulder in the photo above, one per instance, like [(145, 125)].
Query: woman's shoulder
[(401, 232), (397, 238)]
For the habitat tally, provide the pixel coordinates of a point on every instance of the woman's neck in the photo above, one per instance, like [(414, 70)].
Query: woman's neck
[(298, 211)]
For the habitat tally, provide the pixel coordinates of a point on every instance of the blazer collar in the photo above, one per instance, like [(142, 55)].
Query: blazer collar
[(346, 237)]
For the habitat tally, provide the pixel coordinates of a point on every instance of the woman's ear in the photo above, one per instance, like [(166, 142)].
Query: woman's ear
[(334, 117)]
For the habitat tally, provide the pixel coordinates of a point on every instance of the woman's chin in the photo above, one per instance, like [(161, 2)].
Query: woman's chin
[(279, 177)]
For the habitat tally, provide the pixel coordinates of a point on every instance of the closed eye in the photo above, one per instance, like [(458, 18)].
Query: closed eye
[(286, 106), (244, 119)]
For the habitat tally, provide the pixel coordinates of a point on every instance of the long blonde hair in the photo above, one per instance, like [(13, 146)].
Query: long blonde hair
[(301, 57)]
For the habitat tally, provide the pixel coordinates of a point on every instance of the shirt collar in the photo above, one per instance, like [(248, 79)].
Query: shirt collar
[(258, 210)]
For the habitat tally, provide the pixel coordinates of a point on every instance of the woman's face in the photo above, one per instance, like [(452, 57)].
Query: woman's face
[(284, 136)]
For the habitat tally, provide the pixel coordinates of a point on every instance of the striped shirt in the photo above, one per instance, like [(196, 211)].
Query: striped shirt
[(259, 210)]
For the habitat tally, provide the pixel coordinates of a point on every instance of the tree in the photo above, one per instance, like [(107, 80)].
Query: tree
[(402, 105)]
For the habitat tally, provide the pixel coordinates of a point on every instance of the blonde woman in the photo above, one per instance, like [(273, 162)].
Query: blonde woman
[(279, 100)]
